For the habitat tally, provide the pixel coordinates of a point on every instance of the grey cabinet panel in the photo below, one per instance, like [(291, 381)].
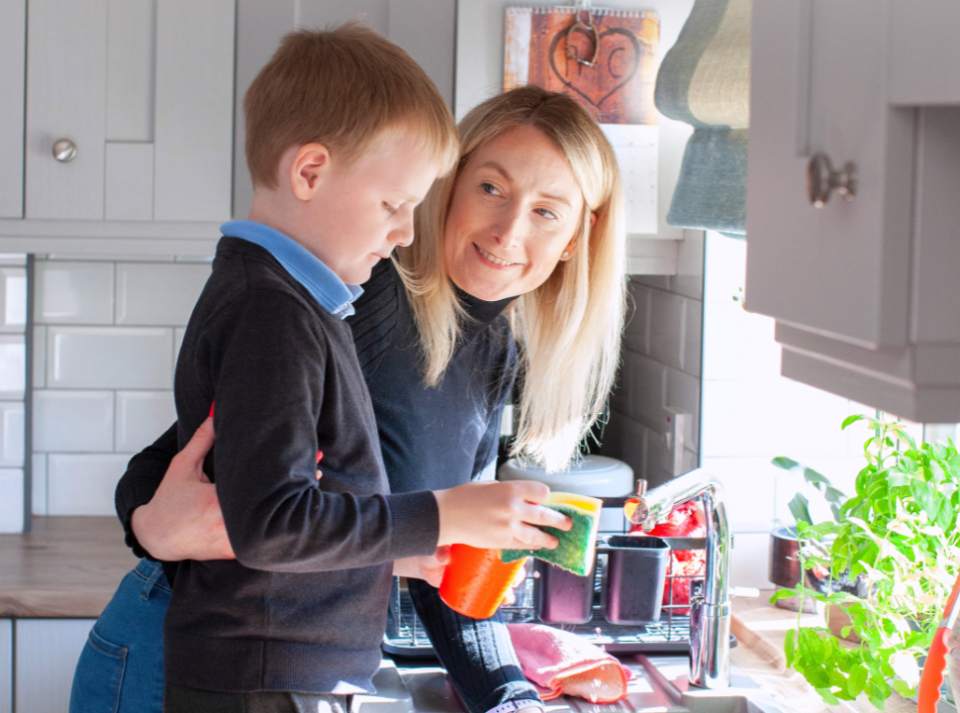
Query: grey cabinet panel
[(13, 39), (194, 110), (131, 45), (6, 666), (66, 57), (128, 190), (47, 652)]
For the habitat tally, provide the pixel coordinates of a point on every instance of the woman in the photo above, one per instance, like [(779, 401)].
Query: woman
[(522, 242)]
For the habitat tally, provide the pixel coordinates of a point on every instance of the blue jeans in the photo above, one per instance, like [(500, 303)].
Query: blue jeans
[(126, 643)]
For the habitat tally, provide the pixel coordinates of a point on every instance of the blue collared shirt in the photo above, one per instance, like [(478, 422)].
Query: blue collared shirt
[(330, 291)]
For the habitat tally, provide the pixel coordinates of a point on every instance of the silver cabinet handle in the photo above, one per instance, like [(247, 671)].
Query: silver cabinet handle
[(822, 180), (64, 150)]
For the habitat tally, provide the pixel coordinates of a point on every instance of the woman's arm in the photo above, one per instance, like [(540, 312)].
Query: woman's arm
[(168, 507)]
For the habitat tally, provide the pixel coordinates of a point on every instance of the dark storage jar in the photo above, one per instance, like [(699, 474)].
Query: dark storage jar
[(633, 579), (563, 597)]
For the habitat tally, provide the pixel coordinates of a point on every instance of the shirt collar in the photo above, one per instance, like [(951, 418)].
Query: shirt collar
[(320, 281)]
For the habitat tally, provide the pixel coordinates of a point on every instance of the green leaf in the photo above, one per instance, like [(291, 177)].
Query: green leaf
[(903, 689), (789, 647), (827, 695), (800, 509), (851, 420), (858, 680), (925, 497), (785, 463)]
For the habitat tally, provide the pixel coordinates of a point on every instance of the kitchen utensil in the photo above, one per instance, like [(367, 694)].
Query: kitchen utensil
[(476, 580)]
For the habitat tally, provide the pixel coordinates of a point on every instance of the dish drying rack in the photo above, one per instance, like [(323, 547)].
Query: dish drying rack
[(406, 636)]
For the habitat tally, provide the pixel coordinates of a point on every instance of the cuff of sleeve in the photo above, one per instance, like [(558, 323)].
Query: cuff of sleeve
[(133, 495), (415, 518)]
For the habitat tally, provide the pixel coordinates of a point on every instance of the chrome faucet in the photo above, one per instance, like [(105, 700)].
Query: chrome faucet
[(709, 612)]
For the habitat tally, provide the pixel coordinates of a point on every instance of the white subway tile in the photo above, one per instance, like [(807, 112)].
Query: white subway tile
[(13, 372), (177, 343), (636, 333), (11, 500), (693, 339), (647, 393), (39, 357), (667, 328), (72, 421), (660, 282), (142, 416), (726, 268), (625, 439), (683, 392), (194, 258), (74, 292), (83, 484), (13, 259), (158, 293), (11, 419), (657, 472), (750, 486), (110, 357), (750, 561), (13, 299), (39, 477)]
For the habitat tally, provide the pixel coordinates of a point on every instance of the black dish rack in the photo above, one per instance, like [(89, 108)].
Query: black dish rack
[(406, 636)]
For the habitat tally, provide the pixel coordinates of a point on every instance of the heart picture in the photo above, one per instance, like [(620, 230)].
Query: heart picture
[(554, 51)]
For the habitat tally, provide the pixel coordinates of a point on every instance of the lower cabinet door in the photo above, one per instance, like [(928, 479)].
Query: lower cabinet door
[(47, 652), (6, 666)]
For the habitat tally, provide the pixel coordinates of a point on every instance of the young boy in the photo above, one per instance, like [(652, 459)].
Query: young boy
[(345, 135)]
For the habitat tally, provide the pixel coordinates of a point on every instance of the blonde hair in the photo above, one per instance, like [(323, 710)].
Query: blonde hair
[(343, 88), (568, 329)]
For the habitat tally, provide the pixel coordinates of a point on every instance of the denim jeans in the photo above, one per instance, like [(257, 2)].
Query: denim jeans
[(125, 644)]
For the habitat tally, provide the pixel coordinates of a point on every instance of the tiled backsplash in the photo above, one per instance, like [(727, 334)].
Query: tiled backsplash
[(660, 368), (13, 317), (106, 341)]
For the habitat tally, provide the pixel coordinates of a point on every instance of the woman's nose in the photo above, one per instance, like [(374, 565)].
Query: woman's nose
[(509, 229)]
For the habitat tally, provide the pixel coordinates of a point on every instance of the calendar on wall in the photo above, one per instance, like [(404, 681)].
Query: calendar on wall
[(607, 60)]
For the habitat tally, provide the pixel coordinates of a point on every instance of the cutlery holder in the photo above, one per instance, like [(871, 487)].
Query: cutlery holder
[(633, 580)]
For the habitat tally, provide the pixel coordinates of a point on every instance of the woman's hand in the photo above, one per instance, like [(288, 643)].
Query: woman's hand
[(493, 515), (429, 568), (183, 520)]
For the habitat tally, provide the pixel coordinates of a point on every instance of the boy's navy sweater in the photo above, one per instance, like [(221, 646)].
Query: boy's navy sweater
[(287, 615)]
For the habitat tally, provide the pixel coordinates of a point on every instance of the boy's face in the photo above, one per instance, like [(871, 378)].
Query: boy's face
[(356, 214)]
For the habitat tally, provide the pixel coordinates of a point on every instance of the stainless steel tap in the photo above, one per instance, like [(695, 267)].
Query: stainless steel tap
[(709, 612)]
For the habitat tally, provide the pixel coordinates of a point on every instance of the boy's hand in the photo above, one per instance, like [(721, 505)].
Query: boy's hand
[(428, 568), (183, 520), (496, 515)]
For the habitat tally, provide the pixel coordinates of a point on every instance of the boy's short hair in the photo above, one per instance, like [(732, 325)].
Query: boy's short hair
[(342, 88)]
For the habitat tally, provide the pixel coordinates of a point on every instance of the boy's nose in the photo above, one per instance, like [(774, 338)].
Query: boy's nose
[(402, 236)]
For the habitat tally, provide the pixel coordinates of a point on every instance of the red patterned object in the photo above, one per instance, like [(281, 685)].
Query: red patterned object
[(686, 520)]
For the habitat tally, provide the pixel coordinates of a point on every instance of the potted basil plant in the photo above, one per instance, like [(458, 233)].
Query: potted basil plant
[(900, 533)]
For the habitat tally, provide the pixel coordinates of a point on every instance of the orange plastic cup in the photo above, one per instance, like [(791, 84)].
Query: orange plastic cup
[(475, 581)]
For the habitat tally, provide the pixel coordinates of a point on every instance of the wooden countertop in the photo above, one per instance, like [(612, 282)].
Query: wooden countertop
[(68, 567), (761, 628)]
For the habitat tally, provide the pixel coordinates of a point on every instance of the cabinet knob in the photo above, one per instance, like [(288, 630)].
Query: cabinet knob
[(64, 150), (822, 179)]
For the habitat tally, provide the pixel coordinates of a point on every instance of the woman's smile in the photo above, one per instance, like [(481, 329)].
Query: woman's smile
[(493, 260)]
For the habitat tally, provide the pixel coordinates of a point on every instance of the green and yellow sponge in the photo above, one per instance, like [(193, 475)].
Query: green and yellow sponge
[(577, 545)]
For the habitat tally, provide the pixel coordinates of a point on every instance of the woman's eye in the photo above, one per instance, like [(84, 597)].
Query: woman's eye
[(547, 213), (489, 189)]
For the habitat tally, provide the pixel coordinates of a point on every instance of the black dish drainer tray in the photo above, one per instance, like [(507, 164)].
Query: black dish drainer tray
[(406, 636)]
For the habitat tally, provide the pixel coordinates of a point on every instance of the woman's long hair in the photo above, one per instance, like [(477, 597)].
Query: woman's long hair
[(568, 329)]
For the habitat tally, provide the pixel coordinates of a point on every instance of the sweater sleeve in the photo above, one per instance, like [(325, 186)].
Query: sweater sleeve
[(139, 484), (278, 516)]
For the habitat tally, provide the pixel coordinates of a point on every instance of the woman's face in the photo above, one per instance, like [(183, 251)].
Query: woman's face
[(513, 214)]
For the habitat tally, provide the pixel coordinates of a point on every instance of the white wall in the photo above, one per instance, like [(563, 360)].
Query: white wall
[(105, 345)]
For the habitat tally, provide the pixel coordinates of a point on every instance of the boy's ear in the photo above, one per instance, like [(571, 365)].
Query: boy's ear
[(310, 163)]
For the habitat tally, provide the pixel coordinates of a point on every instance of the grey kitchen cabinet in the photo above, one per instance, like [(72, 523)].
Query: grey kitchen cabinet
[(13, 40), (863, 290), (6, 666), (47, 651), (140, 92)]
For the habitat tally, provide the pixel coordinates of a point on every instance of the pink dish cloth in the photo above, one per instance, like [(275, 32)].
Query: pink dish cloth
[(561, 663)]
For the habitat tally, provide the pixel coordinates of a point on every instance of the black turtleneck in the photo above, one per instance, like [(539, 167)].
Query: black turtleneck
[(439, 437)]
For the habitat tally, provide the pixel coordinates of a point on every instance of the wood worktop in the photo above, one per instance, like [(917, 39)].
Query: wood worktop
[(67, 567)]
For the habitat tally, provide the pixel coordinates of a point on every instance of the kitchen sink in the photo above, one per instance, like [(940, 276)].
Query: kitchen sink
[(659, 686)]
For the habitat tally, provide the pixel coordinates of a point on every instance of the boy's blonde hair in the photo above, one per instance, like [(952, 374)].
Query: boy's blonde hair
[(568, 329), (342, 88)]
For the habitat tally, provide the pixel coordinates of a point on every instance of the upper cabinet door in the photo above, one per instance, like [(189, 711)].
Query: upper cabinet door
[(13, 42), (819, 85), (66, 102), (139, 93)]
